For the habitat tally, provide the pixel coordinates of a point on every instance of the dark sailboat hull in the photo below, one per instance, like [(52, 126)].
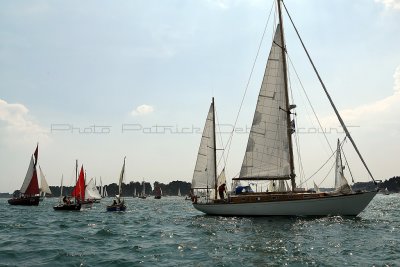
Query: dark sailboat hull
[(24, 201), (120, 207), (68, 207)]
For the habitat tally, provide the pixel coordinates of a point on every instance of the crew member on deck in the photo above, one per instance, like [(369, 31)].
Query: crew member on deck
[(221, 190)]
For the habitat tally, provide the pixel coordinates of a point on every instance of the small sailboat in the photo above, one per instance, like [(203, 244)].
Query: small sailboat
[(78, 193), (29, 192), (143, 194), (44, 186), (179, 192), (269, 157), (91, 192), (157, 192), (118, 204), (134, 193)]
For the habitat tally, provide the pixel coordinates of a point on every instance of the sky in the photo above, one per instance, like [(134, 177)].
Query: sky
[(99, 80)]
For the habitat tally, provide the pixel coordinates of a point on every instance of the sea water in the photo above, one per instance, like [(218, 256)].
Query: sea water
[(170, 232)]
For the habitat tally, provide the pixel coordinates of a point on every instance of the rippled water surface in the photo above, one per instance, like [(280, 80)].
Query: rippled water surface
[(170, 232)]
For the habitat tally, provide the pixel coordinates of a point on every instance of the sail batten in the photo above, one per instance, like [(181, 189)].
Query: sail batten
[(267, 152), (204, 172)]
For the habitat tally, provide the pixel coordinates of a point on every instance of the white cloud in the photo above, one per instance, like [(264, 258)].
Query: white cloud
[(382, 114), (142, 110), (18, 124), (390, 4)]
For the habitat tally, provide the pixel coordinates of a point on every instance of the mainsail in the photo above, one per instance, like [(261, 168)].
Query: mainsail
[(79, 189), (204, 172), (121, 178), (91, 191), (44, 186), (267, 153), (30, 185)]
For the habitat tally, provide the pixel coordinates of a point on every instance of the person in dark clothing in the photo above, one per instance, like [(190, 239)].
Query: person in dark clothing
[(221, 190)]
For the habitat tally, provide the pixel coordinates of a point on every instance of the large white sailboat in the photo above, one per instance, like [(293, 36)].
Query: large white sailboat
[(269, 157)]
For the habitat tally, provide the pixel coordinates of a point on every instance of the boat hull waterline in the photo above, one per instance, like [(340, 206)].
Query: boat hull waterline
[(346, 205), (24, 201)]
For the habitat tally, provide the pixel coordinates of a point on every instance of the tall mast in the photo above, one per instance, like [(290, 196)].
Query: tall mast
[(76, 174), (289, 133), (215, 152)]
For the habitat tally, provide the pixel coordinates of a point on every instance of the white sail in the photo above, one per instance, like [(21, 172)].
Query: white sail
[(91, 191), (267, 152), (179, 192), (134, 192), (61, 189), (44, 186), (105, 192), (277, 186), (143, 189), (204, 171), (221, 178), (121, 178), (28, 176), (316, 188), (341, 184), (101, 188)]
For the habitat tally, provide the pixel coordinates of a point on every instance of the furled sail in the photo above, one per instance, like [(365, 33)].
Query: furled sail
[(204, 171), (79, 189), (341, 184), (44, 186), (30, 185), (267, 153), (91, 191)]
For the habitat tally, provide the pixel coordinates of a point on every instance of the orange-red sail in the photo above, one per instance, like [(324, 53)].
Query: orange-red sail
[(79, 190), (33, 187)]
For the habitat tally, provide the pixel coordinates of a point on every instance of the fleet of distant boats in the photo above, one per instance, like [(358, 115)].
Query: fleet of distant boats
[(83, 194)]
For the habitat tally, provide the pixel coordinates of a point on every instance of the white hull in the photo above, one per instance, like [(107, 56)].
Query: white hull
[(350, 205)]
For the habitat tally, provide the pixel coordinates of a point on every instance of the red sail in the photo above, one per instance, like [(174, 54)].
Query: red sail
[(79, 190), (33, 187), (36, 154)]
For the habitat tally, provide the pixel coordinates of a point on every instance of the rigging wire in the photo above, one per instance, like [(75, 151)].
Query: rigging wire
[(323, 165), (309, 102), (228, 144), (297, 139), (330, 99), (222, 157), (345, 159)]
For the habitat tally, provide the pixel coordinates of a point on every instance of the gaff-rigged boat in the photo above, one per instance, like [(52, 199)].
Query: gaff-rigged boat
[(118, 204), (29, 192), (78, 193), (269, 157)]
